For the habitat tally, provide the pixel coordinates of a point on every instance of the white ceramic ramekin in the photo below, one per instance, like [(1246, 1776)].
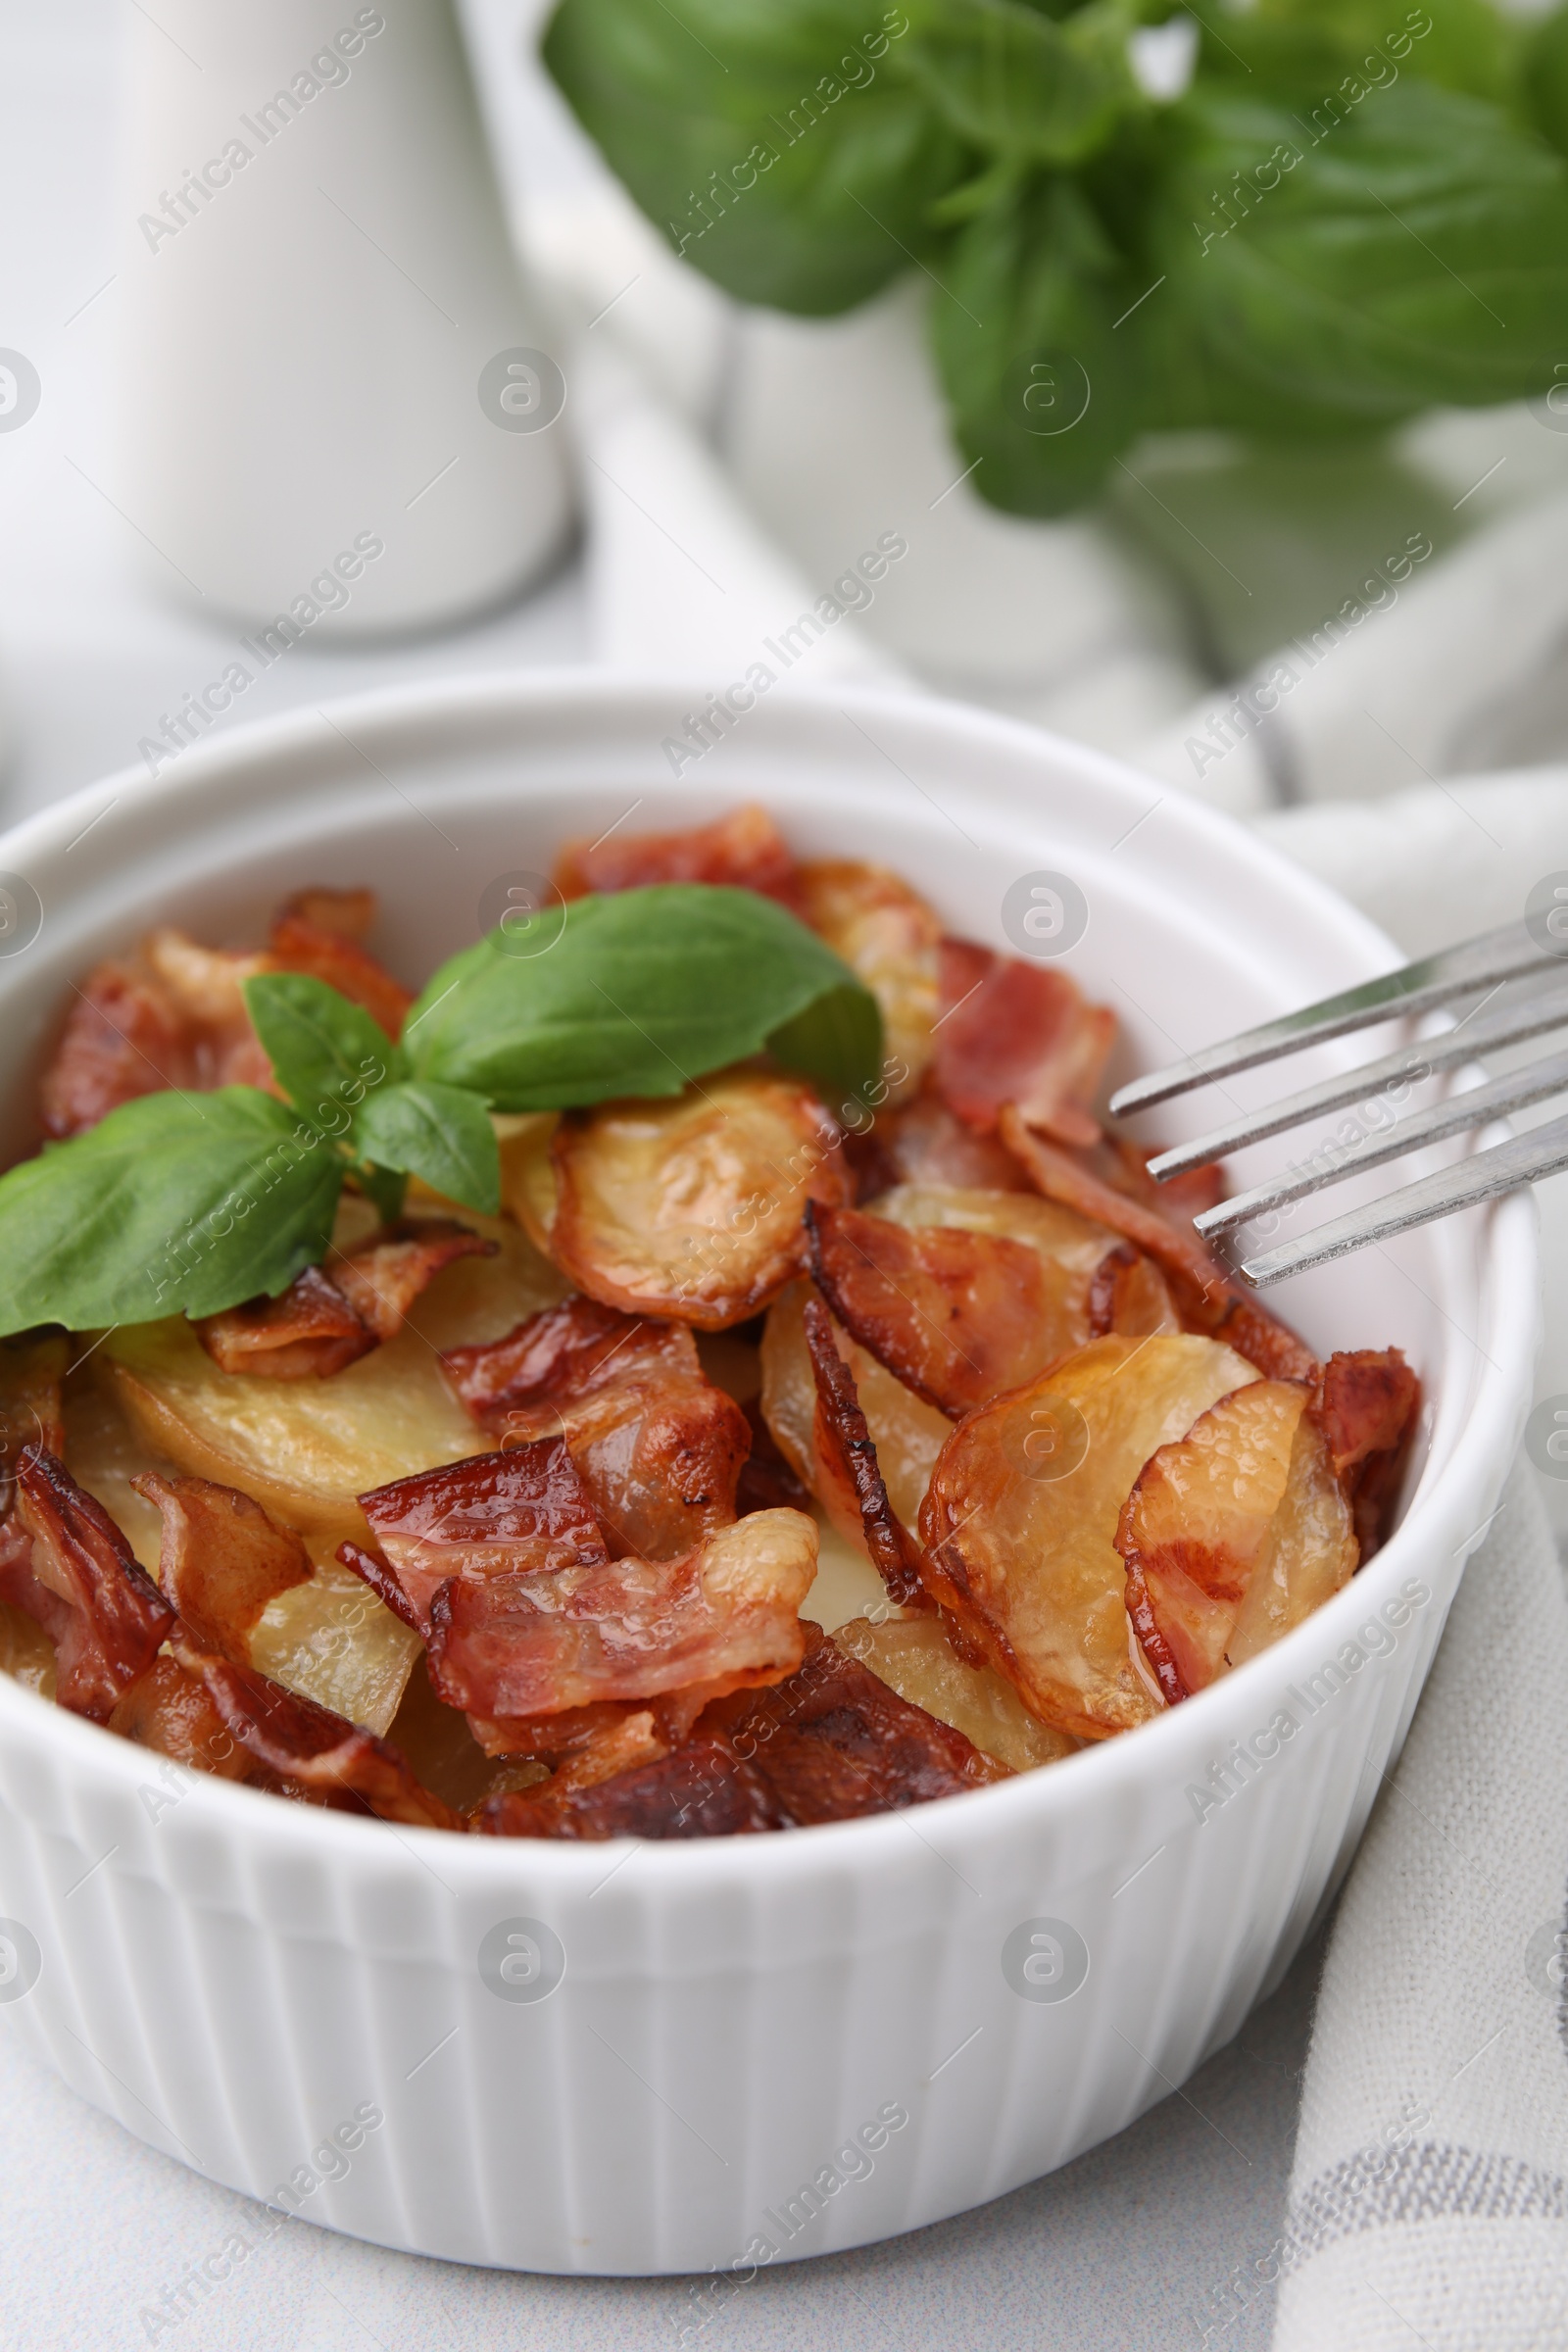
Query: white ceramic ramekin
[(764, 2047)]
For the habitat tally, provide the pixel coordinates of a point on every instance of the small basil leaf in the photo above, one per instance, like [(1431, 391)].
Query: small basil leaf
[(172, 1202), (326, 1052), (1011, 80), (1042, 386), (1465, 45), (440, 1132), (778, 147), (641, 992), (1543, 78)]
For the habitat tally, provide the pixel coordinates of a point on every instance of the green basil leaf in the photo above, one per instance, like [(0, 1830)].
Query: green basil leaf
[(1357, 262), (1543, 78), (326, 1052), (1015, 83), (777, 143), (440, 1132), (173, 1203), (641, 992), (1465, 45), (1043, 385), (836, 1040), (384, 1188)]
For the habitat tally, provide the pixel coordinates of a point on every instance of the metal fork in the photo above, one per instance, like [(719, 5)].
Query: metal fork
[(1482, 967)]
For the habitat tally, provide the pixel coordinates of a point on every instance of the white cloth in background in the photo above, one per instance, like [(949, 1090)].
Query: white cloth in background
[(1429, 2200)]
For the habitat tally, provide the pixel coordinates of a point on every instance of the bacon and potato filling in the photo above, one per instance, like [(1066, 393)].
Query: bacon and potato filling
[(769, 1459)]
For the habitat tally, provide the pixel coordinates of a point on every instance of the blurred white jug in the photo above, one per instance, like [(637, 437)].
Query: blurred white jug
[(333, 403)]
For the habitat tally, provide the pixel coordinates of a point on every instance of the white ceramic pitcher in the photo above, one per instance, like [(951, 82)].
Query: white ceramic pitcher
[(331, 390)]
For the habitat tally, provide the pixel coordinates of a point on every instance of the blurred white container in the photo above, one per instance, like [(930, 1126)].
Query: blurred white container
[(329, 372)]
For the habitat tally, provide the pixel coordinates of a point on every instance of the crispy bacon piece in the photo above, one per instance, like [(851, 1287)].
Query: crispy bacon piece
[(168, 1711), (522, 1512), (1208, 1299), (841, 1437), (659, 1448), (308, 1746), (324, 1322), (124, 1037), (300, 941), (521, 1645), (923, 1142), (956, 1314), (1366, 1407), (702, 1791), (837, 1741), (307, 1333), (690, 1211), (347, 914), (744, 850), (1128, 1295), (221, 1560), (65, 1562), (1019, 1033), (382, 1278), (768, 1481)]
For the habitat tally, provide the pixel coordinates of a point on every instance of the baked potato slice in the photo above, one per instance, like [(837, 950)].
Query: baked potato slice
[(915, 1657), (691, 1209), (1020, 1520), (908, 1433), (891, 940)]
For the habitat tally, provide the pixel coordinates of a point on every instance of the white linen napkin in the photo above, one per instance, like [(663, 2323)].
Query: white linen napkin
[(1429, 2199)]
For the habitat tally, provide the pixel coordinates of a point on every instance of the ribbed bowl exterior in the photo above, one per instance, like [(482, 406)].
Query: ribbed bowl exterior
[(757, 2048)]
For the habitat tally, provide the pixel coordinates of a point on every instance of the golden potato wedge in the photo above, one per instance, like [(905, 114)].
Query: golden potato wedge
[(691, 1209), (1194, 1527), (891, 939), (908, 1433), (1021, 1519), (915, 1657)]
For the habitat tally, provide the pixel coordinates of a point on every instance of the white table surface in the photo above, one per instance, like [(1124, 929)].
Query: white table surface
[(1129, 2248)]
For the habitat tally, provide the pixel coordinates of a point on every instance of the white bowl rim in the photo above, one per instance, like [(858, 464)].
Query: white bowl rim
[(1505, 1285)]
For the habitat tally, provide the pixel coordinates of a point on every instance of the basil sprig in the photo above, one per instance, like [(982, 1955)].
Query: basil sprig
[(1359, 209), (190, 1204)]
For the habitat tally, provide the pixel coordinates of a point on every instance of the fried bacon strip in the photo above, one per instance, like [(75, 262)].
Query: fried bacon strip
[(744, 850), (702, 1791), (520, 1513), (221, 1560), (308, 1746), (923, 1142), (1208, 1297), (659, 1446), (318, 932), (726, 1617), (171, 1013), (66, 1564), (956, 1314), (324, 1322), (843, 1440), (1366, 1407), (837, 1741), (1019, 1032), (168, 1711)]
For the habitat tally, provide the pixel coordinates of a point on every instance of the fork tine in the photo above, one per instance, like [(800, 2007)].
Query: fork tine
[(1456, 1114), (1480, 963), (1527, 1017), (1481, 1176)]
